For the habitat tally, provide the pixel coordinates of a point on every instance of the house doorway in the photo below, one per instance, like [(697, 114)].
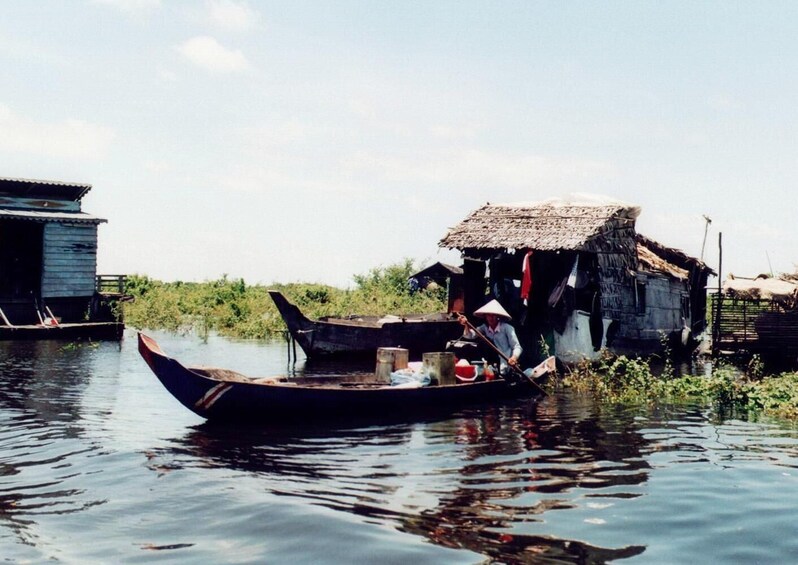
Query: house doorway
[(21, 245)]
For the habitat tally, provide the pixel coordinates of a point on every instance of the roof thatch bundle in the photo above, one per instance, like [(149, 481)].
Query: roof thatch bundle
[(652, 262), (544, 226), (784, 293), (654, 256)]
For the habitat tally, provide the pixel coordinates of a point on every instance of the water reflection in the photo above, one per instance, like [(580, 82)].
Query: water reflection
[(47, 390), (99, 464), (475, 481), (43, 385)]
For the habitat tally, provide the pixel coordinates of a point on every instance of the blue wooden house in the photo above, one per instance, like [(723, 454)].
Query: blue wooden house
[(48, 262)]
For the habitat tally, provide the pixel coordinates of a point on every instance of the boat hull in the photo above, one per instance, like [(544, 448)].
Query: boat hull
[(208, 394), (335, 338)]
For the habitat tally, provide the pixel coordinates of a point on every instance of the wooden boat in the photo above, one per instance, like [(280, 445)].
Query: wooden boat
[(220, 394), (363, 335)]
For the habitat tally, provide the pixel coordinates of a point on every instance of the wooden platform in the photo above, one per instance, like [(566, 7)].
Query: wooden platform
[(93, 331), (754, 326)]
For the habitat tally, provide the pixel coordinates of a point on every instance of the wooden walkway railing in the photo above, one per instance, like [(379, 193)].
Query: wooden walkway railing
[(757, 326), (111, 284)]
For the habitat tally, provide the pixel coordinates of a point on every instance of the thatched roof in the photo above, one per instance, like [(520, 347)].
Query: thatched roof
[(654, 256), (650, 261), (550, 225), (781, 291)]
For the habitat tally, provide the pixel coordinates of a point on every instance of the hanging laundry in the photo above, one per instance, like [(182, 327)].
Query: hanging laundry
[(526, 276), (574, 271), (557, 292)]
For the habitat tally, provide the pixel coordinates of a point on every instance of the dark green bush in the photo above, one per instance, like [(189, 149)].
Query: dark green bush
[(232, 308)]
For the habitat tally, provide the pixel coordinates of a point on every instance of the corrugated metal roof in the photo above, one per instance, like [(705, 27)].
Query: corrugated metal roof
[(31, 188), (36, 216)]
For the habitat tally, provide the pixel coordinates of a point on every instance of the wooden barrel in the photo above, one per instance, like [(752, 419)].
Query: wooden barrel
[(439, 365), (390, 359)]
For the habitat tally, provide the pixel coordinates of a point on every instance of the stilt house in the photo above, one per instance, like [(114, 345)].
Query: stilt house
[(577, 276), (757, 316), (48, 251)]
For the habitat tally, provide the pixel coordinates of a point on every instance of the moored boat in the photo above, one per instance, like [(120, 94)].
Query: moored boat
[(362, 335), (221, 394)]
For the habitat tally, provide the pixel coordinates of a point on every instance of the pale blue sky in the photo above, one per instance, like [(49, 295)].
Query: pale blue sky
[(310, 141)]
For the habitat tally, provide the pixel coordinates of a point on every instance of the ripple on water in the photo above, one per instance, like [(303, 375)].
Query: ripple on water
[(99, 464)]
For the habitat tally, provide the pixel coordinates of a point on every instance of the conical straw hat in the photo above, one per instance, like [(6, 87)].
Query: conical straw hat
[(493, 307)]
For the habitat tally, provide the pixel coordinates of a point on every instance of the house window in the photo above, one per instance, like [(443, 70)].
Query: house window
[(640, 297)]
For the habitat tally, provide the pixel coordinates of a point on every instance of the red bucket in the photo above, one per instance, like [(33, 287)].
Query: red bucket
[(465, 371)]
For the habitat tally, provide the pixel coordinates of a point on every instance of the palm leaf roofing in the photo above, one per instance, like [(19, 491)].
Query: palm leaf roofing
[(549, 225)]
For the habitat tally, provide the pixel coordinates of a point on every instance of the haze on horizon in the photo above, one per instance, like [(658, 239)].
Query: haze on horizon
[(311, 141)]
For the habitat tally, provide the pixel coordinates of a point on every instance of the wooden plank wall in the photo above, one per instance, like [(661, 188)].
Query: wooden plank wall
[(617, 261), (663, 313), (617, 286), (617, 258), (70, 259)]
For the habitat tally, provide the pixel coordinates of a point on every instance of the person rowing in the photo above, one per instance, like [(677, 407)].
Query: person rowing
[(499, 331)]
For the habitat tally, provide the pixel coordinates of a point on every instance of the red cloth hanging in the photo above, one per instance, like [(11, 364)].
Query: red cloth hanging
[(526, 276)]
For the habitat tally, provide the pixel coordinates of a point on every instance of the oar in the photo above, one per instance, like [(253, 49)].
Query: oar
[(503, 356)]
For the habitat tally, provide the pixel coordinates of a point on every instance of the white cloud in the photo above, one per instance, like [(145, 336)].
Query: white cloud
[(71, 138), (166, 75), (362, 108), (723, 103), (158, 167), (232, 16), (318, 157), (207, 53), (273, 175), (132, 7), (472, 167), (453, 132)]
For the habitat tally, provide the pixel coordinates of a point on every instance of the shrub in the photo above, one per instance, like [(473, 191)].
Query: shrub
[(233, 308)]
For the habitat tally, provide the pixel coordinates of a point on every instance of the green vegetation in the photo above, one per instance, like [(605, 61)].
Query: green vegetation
[(729, 389), (235, 309)]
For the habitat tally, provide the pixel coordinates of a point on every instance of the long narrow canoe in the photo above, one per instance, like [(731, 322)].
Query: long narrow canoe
[(363, 335), (221, 394)]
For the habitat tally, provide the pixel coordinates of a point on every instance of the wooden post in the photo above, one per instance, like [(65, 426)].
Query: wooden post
[(52, 317), (3, 315), (718, 309)]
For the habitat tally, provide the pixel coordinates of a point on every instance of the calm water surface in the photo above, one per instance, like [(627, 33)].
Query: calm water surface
[(98, 464)]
